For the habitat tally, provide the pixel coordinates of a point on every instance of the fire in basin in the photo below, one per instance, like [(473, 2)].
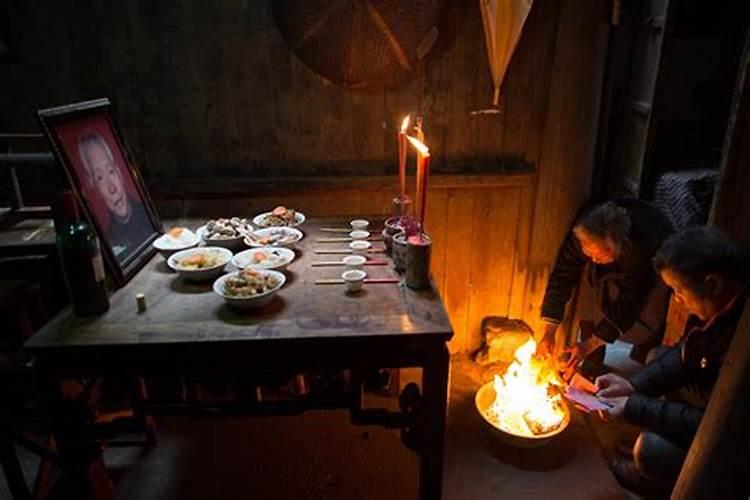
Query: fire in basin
[(524, 405)]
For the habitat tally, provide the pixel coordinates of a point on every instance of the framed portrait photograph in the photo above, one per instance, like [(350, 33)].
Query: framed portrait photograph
[(106, 181)]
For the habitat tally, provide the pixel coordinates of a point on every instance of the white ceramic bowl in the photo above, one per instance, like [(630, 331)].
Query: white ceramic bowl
[(206, 273), (354, 279), (254, 301), (359, 235), (288, 237), (354, 261), (231, 243), (359, 224), (277, 258), (260, 220), (360, 247), (167, 245)]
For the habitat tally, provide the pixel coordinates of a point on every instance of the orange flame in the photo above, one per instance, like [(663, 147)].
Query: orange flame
[(523, 404), (424, 150), (405, 124)]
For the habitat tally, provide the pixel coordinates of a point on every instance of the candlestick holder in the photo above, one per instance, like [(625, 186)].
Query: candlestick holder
[(418, 249), (399, 251)]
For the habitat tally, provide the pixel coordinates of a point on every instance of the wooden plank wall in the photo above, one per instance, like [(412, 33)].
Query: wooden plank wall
[(478, 224), (210, 90)]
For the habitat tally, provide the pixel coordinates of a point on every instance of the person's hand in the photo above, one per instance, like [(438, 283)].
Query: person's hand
[(613, 386), (546, 345), (616, 407), (579, 351)]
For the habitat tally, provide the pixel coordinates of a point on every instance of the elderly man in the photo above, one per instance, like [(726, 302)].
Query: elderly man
[(709, 275), (611, 246)]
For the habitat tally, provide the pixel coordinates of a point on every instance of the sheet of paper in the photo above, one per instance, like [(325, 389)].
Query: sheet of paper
[(586, 401)]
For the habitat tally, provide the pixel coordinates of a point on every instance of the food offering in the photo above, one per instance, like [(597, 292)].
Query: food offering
[(174, 240), (249, 288), (274, 237), (280, 217), (277, 258), (200, 263), (227, 233)]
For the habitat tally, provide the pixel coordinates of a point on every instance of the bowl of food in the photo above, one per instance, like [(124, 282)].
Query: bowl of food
[(274, 237), (276, 258), (249, 288), (279, 217), (227, 233), (199, 264), (174, 240)]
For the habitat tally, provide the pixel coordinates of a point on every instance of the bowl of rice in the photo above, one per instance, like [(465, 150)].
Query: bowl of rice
[(174, 240), (200, 264), (249, 288)]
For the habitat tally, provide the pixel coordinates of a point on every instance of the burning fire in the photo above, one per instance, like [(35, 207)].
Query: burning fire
[(524, 404)]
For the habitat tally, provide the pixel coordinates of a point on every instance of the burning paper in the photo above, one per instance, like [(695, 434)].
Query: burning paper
[(524, 403)]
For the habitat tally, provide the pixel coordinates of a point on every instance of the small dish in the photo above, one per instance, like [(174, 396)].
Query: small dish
[(277, 258), (359, 235), (354, 279), (229, 242), (251, 301), (274, 237), (360, 247), (265, 220), (174, 240), (359, 224), (353, 262), (197, 271)]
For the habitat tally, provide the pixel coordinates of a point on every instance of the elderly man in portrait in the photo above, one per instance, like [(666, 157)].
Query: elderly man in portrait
[(128, 224)]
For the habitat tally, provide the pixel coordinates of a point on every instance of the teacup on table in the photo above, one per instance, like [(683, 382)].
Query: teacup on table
[(354, 279)]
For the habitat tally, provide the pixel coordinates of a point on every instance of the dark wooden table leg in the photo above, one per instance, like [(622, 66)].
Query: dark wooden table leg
[(84, 475), (432, 435), (12, 468)]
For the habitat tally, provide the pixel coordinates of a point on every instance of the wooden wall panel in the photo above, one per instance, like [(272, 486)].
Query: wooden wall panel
[(492, 253)]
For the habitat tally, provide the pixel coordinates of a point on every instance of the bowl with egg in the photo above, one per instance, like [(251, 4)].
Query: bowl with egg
[(200, 264)]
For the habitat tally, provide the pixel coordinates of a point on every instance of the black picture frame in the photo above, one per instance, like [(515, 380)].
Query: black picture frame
[(106, 182)]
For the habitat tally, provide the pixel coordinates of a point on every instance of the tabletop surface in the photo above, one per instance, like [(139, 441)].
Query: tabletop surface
[(179, 311)]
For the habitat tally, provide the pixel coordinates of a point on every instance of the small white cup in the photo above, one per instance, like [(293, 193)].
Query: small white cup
[(360, 247), (354, 262), (359, 224), (359, 235), (354, 279)]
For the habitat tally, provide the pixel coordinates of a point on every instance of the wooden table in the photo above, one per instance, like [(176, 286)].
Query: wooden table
[(189, 330)]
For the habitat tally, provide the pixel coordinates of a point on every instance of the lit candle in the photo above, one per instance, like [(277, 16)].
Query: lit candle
[(402, 159), (423, 174)]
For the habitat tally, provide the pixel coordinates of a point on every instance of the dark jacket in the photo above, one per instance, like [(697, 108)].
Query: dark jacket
[(693, 363), (632, 273)]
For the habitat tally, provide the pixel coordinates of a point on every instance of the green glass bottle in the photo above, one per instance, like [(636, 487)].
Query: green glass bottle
[(81, 257)]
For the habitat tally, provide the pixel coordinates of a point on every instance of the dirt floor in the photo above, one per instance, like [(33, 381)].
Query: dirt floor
[(320, 455)]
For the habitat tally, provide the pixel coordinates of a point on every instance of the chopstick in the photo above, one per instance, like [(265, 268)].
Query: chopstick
[(334, 230), (324, 263), (339, 240), (372, 281), (345, 251)]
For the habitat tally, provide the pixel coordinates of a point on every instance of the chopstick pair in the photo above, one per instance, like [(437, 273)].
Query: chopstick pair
[(341, 240), (325, 263), (346, 251), (372, 281)]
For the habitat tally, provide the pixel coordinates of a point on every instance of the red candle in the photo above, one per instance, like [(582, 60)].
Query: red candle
[(423, 173), (402, 157)]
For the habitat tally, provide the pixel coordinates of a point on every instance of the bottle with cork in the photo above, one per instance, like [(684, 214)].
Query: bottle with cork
[(81, 258)]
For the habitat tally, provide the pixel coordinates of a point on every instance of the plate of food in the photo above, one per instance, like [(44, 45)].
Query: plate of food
[(276, 258), (200, 263), (174, 240), (274, 237), (227, 233), (279, 217), (249, 288)]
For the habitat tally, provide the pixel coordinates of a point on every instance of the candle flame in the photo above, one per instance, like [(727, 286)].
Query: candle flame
[(405, 124), (419, 145)]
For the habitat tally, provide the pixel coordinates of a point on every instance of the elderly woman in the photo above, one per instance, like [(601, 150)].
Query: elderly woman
[(611, 245), (709, 275)]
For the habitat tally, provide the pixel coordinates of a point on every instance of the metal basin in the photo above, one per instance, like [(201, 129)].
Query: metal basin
[(484, 398)]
